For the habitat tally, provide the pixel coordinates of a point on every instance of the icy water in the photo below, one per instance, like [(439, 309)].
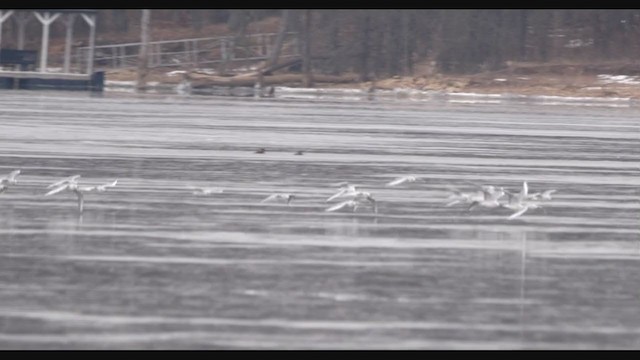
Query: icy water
[(151, 266)]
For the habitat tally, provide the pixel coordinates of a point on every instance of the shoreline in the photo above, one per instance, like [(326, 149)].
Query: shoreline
[(363, 94), (566, 82)]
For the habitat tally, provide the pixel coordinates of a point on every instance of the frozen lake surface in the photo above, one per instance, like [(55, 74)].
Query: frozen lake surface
[(151, 266)]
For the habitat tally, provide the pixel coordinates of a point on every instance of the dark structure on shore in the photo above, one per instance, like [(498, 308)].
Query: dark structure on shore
[(27, 69)]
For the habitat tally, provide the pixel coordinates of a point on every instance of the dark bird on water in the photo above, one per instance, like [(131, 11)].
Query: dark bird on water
[(299, 152), (261, 151)]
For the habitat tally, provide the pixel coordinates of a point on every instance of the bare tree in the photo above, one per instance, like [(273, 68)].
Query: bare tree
[(197, 18), (364, 29), (143, 60), (120, 21), (307, 80), (277, 47)]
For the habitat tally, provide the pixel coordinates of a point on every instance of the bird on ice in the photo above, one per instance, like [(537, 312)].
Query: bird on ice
[(10, 179), (279, 198)]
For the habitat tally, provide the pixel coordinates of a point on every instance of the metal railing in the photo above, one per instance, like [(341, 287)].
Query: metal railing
[(191, 52)]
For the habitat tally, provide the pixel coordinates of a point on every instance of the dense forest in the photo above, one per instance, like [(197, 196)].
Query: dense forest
[(376, 43)]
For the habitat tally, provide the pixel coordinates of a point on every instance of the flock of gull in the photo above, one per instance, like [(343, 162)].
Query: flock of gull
[(485, 196), (352, 197), (68, 184)]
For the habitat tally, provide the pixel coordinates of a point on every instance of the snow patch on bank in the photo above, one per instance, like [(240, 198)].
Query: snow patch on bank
[(618, 79)]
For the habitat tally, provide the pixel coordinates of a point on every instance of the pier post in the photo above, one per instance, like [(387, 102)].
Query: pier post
[(143, 57), (68, 41), (22, 19), (3, 16), (91, 21), (45, 19), (194, 48)]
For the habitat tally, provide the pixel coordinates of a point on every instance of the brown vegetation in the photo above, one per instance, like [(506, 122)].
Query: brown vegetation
[(553, 52)]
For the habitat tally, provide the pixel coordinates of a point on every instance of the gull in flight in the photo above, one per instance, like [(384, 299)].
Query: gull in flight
[(520, 202), (345, 190), (205, 190), (99, 188), (279, 198), (8, 180), (521, 196), (546, 195), (524, 194), (458, 196), (403, 179), (490, 199), (359, 199), (71, 184), (521, 208)]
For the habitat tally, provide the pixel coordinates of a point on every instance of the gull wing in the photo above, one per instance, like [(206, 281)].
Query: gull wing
[(398, 181), (525, 190), (3, 188), (270, 198), (473, 205), (520, 212), (341, 205), (64, 186), (338, 194), (208, 191), (547, 194), (453, 202), (12, 175), (104, 187), (67, 180)]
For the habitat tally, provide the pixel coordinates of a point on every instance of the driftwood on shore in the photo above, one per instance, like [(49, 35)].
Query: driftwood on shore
[(201, 80)]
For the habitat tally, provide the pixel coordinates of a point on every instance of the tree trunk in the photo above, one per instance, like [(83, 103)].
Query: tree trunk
[(143, 60), (336, 58), (407, 69), (277, 47), (306, 57), (120, 20), (364, 53), (522, 34), (238, 21), (197, 19)]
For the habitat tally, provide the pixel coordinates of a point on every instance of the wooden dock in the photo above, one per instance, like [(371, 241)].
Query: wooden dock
[(33, 80)]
